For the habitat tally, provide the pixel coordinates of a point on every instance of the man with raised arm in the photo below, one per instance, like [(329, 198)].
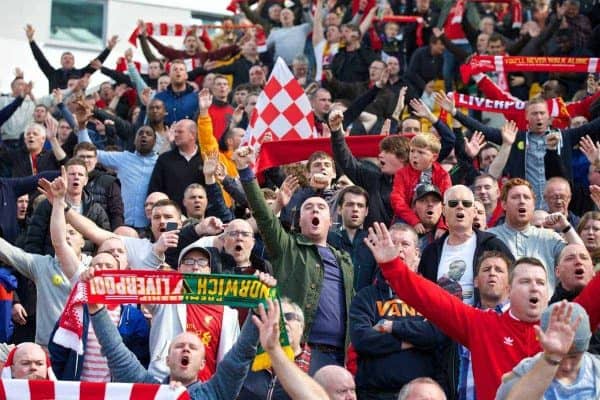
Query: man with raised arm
[(507, 337), (312, 273)]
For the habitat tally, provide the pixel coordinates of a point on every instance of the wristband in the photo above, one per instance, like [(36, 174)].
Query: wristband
[(567, 229), (552, 361)]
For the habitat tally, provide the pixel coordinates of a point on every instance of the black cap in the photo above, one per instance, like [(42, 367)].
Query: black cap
[(424, 189)]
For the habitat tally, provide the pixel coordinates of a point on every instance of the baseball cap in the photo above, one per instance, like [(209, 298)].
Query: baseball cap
[(193, 246), (583, 333), (424, 189)]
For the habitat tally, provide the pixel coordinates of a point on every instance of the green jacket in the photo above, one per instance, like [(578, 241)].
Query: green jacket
[(296, 261)]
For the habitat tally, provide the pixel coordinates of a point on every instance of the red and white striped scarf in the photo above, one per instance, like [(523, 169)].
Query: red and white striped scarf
[(21, 389)]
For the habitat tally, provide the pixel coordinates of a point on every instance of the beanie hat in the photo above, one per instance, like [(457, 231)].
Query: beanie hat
[(583, 333)]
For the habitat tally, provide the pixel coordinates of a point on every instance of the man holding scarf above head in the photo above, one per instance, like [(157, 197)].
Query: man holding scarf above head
[(526, 158)]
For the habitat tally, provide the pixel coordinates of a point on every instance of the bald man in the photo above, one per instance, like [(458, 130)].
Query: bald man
[(178, 168), (421, 389), (337, 382), (27, 361)]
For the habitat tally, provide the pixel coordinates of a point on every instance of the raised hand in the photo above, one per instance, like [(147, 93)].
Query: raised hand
[(446, 102), (167, 240), (146, 96), (385, 75), (473, 146), (209, 168), (82, 113), (112, 42), (49, 189), (120, 90), (243, 157), (336, 117), (238, 114), (210, 226), (205, 99), (128, 55), (141, 27), (220, 172), (437, 32), (509, 132), (286, 191), (51, 127), (267, 322), (401, 99), (57, 95), (26, 89), (595, 194), (556, 221), (19, 73), (29, 31), (325, 131), (385, 128), (558, 338), (421, 110), (591, 150), (96, 64), (380, 243)]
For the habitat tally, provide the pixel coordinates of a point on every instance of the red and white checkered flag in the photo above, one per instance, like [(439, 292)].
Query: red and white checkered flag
[(282, 108)]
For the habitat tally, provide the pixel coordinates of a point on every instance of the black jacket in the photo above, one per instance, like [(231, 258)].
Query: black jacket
[(105, 189), (58, 78), (352, 66), (38, 233), (19, 162), (172, 174), (382, 363), (365, 266)]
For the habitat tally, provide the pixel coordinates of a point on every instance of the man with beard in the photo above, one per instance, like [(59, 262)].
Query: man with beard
[(353, 207), (314, 275)]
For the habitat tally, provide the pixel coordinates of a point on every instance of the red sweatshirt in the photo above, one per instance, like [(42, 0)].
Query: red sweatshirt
[(405, 182), (560, 112), (497, 342)]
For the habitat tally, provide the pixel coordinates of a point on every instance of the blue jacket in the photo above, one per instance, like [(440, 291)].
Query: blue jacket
[(179, 105), (226, 383), (8, 283), (382, 363), (133, 329)]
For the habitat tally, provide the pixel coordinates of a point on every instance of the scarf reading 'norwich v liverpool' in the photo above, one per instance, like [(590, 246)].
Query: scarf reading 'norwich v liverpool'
[(160, 287)]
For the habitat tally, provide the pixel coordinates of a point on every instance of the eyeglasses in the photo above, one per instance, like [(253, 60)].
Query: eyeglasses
[(201, 262), (291, 316), (465, 203), (244, 234)]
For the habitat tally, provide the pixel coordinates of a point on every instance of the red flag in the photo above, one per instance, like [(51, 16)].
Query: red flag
[(282, 108)]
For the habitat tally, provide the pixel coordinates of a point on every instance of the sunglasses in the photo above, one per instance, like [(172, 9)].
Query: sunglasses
[(291, 316), (465, 203)]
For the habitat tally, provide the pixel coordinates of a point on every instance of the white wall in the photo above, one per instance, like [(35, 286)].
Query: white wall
[(122, 17)]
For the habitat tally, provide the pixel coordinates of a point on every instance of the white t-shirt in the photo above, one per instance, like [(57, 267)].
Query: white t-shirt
[(455, 272)]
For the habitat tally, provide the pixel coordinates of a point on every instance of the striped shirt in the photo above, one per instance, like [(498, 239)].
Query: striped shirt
[(95, 366)]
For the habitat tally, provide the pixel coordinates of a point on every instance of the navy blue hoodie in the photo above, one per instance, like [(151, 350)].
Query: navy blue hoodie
[(382, 363)]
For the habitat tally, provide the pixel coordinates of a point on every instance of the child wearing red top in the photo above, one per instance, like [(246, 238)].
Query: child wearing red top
[(422, 168)]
